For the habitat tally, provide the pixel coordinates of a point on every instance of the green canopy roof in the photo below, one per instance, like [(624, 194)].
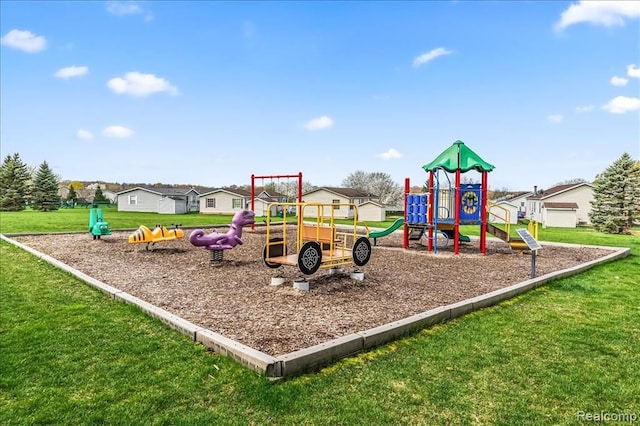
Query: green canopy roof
[(469, 160)]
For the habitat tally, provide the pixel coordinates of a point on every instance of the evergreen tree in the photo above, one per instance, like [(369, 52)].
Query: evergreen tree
[(99, 196), (72, 195), (616, 197), (14, 183), (44, 194)]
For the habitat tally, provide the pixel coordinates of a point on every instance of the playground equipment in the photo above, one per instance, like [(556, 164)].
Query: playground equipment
[(318, 243), (158, 234), (97, 226), (383, 233), (217, 242), (253, 190), (446, 206)]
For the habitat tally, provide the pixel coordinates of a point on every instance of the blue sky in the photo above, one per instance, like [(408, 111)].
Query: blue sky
[(208, 93)]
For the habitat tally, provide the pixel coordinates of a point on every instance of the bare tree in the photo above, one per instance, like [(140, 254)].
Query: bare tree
[(375, 183)]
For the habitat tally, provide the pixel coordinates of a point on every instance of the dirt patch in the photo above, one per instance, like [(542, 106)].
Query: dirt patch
[(234, 297)]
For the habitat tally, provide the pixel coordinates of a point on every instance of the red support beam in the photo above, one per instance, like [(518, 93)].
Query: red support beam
[(483, 212), (405, 239)]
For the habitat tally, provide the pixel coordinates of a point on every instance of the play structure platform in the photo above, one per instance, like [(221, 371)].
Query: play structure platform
[(319, 243)]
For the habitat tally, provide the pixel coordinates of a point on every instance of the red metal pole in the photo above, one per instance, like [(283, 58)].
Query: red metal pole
[(483, 212), (405, 239), (456, 226), (430, 212), (253, 193)]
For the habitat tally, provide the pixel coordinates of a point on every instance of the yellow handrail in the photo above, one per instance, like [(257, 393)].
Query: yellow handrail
[(506, 218)]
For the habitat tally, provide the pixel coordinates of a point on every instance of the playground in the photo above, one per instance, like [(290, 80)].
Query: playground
[(234, 297)]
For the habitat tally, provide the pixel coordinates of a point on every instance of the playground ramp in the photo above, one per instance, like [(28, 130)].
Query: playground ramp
[(516, 243)]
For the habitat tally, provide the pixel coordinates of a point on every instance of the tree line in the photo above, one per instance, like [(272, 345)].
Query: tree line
[(615, 208)]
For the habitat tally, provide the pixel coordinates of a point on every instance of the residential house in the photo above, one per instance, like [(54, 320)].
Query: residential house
[(563, 206), (503, 211), (344, 196), (372, 211), (158, 200), (229, 201)]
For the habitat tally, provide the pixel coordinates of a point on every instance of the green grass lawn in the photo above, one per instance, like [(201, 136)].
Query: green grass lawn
[(71, 355)]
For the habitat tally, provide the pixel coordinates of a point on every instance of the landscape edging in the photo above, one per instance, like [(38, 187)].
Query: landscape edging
[(314, 357)]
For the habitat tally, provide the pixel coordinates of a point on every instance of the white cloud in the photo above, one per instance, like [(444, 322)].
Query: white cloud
[(555, 118), (117, 132), (138, 84), (606, 13), (633, 71), (622, 104), (24, 40), (123, 8), (84, 134), (71, 71), (390, 154), (319, 123), (584, 108), (618, 81), (429, 56)]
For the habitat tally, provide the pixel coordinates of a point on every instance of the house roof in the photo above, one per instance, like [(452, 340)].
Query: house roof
[(345, 192), (375, 203), (459, 157), (518, 195), (555, 190), (236, 191), (548, 205), (506, 202), (167, 191)]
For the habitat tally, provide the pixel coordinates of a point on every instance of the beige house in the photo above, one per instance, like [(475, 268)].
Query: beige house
[(229, 201), (371, 211), (344, 196), (563, 206)]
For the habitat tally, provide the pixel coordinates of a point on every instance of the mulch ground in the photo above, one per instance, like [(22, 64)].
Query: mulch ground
[(236, 299)]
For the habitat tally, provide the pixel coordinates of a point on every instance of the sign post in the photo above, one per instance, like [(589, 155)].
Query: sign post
[(533, 246)]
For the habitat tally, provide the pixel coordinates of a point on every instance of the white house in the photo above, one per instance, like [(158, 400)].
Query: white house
[(499, 212), (152, 200), (519, 199), (561, 206), (345, 196), (229, 201)]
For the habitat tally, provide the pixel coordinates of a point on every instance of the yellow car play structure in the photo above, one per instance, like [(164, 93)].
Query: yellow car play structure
[(319, 243)]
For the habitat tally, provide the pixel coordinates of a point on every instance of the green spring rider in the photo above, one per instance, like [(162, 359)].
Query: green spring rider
[(97, 226)]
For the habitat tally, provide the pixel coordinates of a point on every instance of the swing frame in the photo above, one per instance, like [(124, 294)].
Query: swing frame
[(253, 188)]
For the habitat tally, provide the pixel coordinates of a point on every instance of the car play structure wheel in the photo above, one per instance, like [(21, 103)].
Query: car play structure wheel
[(309, 258), (361, 251)]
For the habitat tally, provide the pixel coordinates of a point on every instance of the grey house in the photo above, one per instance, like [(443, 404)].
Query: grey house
[(158, 200)]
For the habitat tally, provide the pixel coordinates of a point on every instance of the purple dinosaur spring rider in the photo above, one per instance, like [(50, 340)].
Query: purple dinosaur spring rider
[(217, 242)]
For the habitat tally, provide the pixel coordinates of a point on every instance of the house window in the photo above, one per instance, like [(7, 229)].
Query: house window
[(133, 200), (211, 203), (336, 202), (237, 203)]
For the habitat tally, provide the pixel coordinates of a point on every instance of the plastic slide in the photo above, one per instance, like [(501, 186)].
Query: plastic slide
[(450, 233), (394, 226)]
